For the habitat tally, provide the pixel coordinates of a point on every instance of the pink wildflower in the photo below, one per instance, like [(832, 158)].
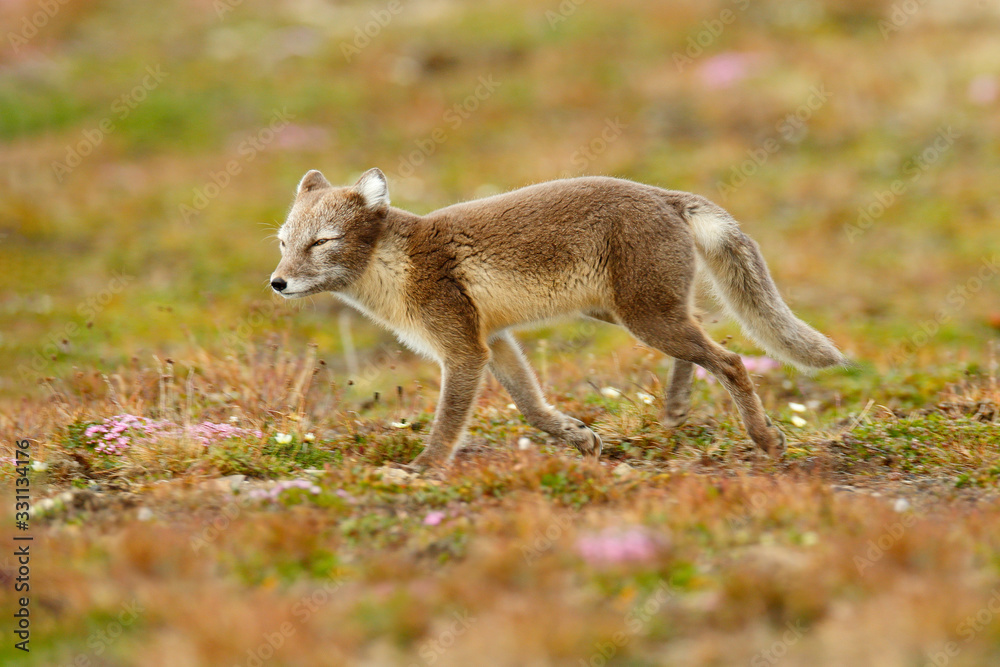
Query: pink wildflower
[(616, 545), (275, 492), (983, 90), (299, 136), (759, 365), (434, 518), (725, 69), (116, 434)]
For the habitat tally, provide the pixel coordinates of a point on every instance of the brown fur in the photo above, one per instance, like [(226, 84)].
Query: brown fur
[(453, 283)]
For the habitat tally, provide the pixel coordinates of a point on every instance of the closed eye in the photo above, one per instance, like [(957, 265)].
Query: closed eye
[(319, 242)]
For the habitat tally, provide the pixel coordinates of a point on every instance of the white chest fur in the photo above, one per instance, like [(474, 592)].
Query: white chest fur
[(380, 294)]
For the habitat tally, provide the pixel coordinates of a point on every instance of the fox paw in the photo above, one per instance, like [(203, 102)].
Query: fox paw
[(673, 418), (773, 444), (424, 462), (581, 437)]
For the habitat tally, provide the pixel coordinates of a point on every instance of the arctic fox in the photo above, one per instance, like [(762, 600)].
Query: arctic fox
[(453, 283)]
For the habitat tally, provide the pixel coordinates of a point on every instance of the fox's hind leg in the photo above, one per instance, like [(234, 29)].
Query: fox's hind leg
[(678, 400), (653, 295), (680, 336), (508, 364)]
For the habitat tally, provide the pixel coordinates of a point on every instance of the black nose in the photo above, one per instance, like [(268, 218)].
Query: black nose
[(278, 285)]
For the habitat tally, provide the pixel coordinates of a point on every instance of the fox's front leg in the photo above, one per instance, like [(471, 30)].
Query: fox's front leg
[(461, 378), (512, 370)]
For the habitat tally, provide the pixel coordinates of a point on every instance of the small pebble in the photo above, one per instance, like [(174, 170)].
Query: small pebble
[(623, 470), (395, 475)]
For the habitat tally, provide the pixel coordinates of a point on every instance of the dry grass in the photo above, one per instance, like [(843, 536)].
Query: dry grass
[(859, 548), (736, 562)]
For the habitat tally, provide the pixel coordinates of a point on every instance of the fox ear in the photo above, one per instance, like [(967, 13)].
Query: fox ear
[(313, 180), (373, 187)]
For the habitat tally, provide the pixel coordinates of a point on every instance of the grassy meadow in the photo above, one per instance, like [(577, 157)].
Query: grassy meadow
[(214, 475)]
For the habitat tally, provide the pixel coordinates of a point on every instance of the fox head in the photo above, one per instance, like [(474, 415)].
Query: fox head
[(328, 237)]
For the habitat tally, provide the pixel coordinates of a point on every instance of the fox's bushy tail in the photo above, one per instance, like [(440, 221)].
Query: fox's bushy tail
[(741, 281)]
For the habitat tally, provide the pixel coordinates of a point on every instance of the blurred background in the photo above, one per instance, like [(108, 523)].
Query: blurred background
[(148, 152)]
